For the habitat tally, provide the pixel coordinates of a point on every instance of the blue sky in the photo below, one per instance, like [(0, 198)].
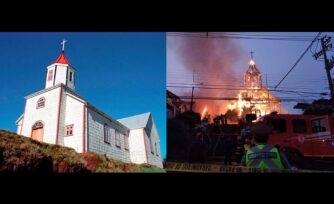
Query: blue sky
[(122, 74), (273, 58)]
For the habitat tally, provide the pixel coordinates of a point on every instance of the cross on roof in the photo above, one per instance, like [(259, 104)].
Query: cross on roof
[(63, 43)]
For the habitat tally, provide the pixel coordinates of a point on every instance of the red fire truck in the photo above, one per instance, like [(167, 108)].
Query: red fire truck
[(308, 141)]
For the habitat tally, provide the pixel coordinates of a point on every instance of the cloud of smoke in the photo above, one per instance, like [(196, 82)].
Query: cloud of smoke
[(213, 61)]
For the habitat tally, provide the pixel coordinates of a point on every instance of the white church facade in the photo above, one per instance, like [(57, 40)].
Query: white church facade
[(58, 115)]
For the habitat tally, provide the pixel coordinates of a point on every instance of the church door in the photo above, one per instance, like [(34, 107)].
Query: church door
[(37, 131)]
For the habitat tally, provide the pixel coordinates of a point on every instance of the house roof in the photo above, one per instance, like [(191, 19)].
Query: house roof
[(93, 108), (137, 121), (62, 59)]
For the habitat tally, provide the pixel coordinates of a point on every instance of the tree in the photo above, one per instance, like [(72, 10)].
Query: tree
[(319, 107)]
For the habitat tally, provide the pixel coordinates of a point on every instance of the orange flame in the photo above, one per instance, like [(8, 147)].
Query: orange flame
[(203, 113), (260, 103), (231, 106), (241, 104)]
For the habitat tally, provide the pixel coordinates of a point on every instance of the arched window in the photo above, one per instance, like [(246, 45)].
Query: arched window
[(41, 103), (37, 125)]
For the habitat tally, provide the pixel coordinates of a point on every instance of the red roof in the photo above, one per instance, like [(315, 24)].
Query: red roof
[(62, 59)]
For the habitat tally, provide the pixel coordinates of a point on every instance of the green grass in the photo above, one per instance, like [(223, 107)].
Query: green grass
[(19, 153)]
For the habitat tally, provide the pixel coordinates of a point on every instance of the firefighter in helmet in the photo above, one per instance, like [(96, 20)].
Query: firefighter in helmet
[(263, 155)]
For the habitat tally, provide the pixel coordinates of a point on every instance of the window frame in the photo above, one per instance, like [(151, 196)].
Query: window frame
[(67, 129), (50, 75), (117, 139), (319, 125), (126, 143), (41, 100), (71, 76), (294, 125), (274, 131), (38, 124), (106, 134), (151, 145), (156, 149)]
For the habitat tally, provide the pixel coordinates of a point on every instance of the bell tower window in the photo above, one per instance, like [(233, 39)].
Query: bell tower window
[(50, 75), (71, 76)]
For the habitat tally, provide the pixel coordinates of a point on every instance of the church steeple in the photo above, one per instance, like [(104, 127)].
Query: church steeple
[(252, 77), (62, 59), (60, 71)]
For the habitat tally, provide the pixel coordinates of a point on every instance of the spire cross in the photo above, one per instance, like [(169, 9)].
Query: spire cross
[(63, 43), (251, 52)]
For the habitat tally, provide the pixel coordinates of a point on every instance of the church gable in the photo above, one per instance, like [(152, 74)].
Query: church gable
[(144, 139), (42, 106)]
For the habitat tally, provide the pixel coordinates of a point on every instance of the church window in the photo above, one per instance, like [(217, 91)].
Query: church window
[(69, 130), (151, 145), (41, 103), (106, 134), (156, 149), (37, 125), (71, 76), (117, 139), (50, 75), (126, 142)]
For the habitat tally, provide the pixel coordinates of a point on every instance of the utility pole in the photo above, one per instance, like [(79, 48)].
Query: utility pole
[(329, 64), (192, 98), (192, 93)]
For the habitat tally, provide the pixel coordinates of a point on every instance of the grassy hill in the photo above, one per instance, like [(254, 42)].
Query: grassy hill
[(22, 154)]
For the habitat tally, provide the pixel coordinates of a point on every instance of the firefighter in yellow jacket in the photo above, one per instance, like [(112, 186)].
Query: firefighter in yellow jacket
[(263, 155)]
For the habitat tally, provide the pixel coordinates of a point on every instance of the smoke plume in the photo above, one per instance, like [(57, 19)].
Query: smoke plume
[(214, 61)]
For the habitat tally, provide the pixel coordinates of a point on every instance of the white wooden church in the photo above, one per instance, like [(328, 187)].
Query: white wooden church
[(58, 115)]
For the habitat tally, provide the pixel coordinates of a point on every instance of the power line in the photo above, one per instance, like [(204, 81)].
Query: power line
[(316, 37), (235, 99), (243, 36), (240, 89), (277, 34), (261, 34), (238, 86)]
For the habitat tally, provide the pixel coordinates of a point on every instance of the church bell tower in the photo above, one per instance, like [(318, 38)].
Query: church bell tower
[(60, 71), (252, 77)]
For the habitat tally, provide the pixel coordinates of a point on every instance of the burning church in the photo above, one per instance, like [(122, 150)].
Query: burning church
[(206, 73), (254, 98)]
